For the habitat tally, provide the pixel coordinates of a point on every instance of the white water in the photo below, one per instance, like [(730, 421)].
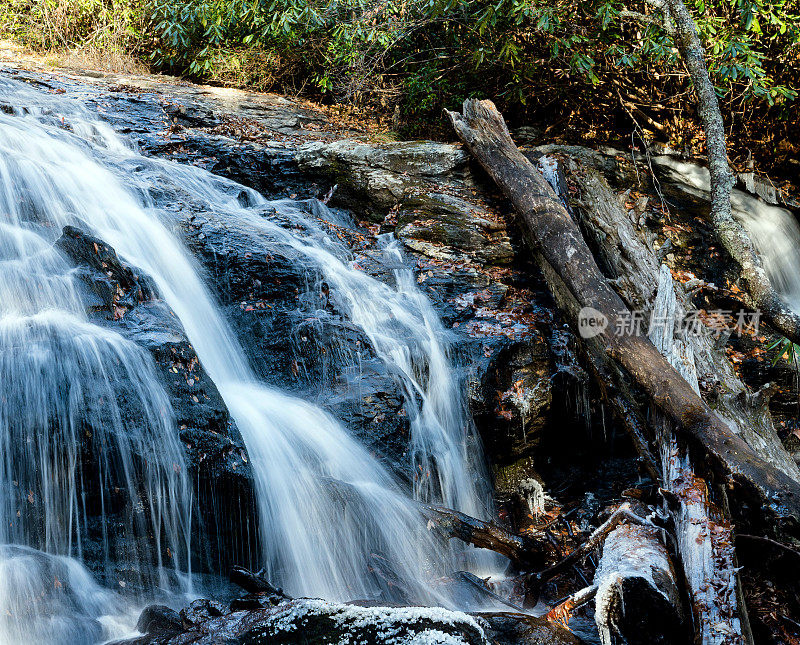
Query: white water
[(776, 237), (774, 231), (59, 166)]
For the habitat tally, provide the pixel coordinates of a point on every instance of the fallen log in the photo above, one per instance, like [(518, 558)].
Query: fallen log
[(569, 267), (523, 550), (624, 513), (636, 592), (638, 601), (254, 583), (635, 271), (703, 532)]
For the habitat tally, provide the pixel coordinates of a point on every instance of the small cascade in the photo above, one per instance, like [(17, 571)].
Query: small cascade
[(773, 230), (333, 521), (776, 236), (406, 333)]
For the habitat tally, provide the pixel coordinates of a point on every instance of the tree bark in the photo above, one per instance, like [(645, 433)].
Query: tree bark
[(703, 533), (565, 257), (635, 271), (638, 600)]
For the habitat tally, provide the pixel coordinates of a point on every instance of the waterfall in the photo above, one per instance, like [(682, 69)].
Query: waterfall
[(776, 237), (326, 505), (773, 230)]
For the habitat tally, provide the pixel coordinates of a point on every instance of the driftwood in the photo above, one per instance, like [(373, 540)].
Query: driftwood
[(523, 550), (636, 592), (254, 583), (578, 283)]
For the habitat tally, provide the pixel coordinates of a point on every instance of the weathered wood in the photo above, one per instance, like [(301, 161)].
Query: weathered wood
[(254, 583), (634, 269), (637, 596), (523, 550), (563, 253), (703, 534), (624, 513), (638, 600)]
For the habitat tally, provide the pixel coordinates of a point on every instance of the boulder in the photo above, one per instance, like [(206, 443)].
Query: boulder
[(311, 621)]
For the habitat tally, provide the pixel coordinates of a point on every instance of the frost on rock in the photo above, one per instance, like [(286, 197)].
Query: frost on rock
[(434, 637), (340, 624)]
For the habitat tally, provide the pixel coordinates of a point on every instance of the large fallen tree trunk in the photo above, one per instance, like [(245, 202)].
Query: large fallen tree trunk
[(566, 260), (703, 532), (631, 262)]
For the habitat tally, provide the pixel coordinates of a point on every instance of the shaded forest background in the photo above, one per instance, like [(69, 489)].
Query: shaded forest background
[(582, 71)]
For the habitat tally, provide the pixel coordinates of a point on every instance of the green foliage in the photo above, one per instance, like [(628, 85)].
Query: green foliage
[(113, 25), (786, 350), (349, 48), (424, 55)]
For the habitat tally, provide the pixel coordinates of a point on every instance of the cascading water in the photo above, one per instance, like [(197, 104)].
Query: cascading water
[(69, 387), (81, 409), (776, 236), (774, 231)]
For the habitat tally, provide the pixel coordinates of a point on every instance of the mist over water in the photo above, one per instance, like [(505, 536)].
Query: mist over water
[(69, 387)]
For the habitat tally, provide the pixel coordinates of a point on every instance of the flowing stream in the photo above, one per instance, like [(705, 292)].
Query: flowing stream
[(773, 230), (82, 409)]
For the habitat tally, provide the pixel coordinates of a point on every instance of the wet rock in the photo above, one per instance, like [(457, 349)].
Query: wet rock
[(160, 620), (90, 252), (269, 168), (191, 114), (320, 622), (199, 611), (519, 411), (215, 451), (443, 226), (294, 335)]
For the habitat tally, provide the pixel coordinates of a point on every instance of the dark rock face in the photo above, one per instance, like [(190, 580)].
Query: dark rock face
[(294, 335), (124, 299), (426, 193), (159, 619)]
